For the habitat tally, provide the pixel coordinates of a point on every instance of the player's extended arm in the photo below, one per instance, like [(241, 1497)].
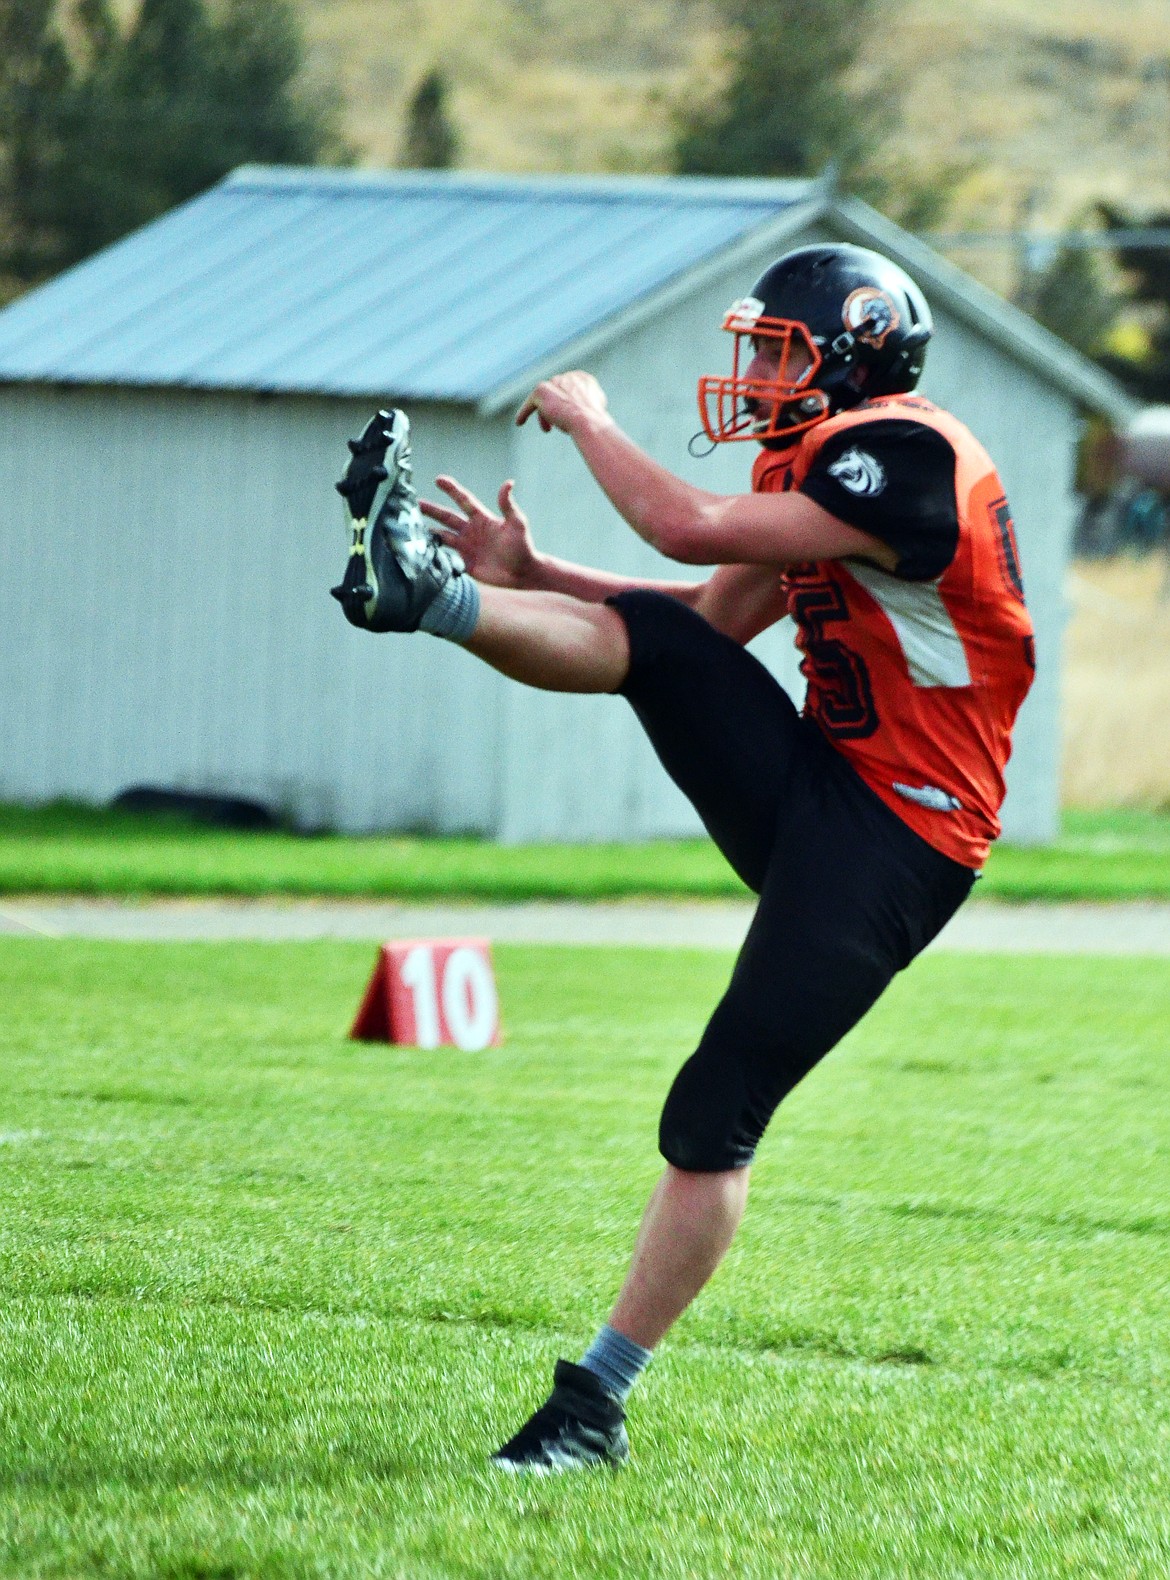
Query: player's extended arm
[(498, 548), (686, 523)]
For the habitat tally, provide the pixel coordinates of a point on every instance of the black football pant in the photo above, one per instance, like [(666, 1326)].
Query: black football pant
[(849, 894)]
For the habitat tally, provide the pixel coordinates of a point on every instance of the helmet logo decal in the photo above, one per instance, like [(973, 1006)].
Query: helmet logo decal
[(858, 471), (742, 316), (870, 315)]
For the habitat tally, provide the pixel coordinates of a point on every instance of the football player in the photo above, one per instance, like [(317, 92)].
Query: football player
[(879, 524)]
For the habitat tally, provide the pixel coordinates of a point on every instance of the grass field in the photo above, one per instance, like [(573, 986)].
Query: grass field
[(269, 1298), (1100, 856)]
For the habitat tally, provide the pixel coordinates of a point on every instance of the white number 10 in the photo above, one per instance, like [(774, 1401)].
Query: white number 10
[(467, 992)]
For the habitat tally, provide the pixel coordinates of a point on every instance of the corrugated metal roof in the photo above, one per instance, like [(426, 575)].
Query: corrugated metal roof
[(412, 284)]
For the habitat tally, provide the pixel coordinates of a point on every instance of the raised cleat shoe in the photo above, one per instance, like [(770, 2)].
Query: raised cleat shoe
[(397, 567), (580, 1424)]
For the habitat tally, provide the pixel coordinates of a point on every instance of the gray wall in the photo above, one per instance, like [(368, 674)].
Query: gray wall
[(164, 560), (588, 767), (164, 564)]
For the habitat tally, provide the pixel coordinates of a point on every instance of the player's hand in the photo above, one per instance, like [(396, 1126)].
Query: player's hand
[(497, 549), (562, 401)]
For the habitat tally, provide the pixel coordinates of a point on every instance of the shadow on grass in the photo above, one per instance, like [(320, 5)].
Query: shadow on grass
[(191, 1473), (1078, 1225)]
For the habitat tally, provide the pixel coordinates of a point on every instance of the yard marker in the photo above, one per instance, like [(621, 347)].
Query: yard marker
[(431, 993)]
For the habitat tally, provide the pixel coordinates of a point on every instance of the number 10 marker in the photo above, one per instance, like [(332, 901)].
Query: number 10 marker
[(430, 993)]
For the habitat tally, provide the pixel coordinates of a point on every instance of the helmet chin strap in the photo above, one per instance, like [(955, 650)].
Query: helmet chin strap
[(802, 410), (698, 438)]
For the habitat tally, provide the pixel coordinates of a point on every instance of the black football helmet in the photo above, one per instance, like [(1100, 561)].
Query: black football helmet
[(863, 326)]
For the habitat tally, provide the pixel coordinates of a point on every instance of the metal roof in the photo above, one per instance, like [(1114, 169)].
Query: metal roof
[(441, 285), (413, 284)]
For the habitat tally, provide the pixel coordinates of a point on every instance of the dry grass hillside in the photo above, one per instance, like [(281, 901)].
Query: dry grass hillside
[(1117, 684), (1063, 99)]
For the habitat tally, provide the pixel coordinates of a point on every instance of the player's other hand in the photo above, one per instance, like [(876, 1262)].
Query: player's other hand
[(497, 549), (563, 401)]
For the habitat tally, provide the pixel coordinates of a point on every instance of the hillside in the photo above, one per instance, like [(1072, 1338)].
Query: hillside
[(1050, 102)]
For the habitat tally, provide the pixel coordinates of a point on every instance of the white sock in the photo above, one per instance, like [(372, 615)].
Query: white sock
[(454, 614)]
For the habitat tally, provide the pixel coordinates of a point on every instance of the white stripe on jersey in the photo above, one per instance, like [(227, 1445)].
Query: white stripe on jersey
[(931, 646)]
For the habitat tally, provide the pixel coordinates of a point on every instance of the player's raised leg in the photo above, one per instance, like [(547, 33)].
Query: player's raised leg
[(550, 640)]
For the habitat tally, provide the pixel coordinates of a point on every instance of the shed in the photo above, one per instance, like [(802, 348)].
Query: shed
[(175, 412)]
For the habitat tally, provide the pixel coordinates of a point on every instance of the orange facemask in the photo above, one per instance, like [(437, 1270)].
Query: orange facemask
[(728, 406)]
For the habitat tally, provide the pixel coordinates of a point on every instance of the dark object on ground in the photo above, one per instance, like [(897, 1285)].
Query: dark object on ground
[(218, 810)]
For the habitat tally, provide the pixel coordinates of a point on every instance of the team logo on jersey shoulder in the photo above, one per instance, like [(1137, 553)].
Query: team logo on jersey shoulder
[(870, 315), (858, 471)]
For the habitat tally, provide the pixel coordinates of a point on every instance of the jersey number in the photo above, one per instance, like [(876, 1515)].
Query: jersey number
[(844, 698), (1005, 541)]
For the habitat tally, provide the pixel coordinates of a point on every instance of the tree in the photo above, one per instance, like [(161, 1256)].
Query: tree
[(431, 141), (100, 136), (787, 109), (1145, 269), (1072, 298), (793, 106), (35, 72)]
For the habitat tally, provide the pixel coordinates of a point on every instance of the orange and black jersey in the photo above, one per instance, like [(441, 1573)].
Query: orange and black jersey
[(915, 674)]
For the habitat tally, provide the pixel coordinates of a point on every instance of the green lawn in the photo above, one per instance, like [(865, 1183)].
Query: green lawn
[(268, 1298), (1100, 856)]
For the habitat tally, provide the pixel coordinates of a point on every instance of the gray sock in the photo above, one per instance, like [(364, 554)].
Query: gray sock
[(618, 1361), (454, 614)]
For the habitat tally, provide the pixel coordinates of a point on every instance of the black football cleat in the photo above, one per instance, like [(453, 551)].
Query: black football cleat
[(397, 566), (580, 1424)]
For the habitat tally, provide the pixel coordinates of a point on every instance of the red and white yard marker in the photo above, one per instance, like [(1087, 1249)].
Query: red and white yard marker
[(432, 993)]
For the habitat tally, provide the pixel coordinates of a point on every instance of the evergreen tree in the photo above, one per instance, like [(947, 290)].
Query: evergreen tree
[(792, 107), (1145, 269), (788, 109), (35, 75), (1070, 297), (431, 141), (98, 140)]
